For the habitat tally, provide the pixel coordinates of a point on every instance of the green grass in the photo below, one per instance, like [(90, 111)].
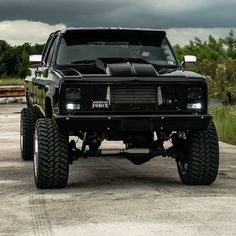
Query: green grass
[(8, 81), (225, 121)]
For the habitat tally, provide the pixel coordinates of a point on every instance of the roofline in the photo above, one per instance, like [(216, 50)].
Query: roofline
[(63, 31)]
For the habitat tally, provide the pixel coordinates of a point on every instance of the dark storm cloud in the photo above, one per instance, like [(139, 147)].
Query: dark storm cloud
[(52, 12), (129, 13)]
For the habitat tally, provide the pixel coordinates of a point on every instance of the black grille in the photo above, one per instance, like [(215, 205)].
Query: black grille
[(133, 95)]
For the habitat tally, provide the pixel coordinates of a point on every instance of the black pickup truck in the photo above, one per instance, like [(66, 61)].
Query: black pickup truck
[(115, 84)]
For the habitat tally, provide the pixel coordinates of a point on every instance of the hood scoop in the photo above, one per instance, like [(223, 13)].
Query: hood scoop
[(120, 67), (141, 69), (69, 72)]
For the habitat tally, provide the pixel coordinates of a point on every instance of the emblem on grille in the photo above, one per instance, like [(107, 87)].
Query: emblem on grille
[(100, 104)]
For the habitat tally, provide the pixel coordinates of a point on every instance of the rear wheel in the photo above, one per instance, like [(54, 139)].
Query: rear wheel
[(26, 134), (198, 157), (51, 163)]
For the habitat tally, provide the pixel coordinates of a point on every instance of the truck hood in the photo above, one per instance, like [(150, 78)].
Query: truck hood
[(119, 67)]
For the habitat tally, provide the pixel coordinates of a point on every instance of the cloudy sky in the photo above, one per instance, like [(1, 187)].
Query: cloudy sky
[(33, 20)]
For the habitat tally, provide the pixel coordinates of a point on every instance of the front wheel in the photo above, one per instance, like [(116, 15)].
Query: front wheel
[(51, 163), (198, 157)]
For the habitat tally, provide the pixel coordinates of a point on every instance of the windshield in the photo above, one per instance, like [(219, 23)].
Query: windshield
[(81, 51)]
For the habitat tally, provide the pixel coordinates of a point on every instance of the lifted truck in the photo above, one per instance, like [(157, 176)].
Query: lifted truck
[(115, 84)]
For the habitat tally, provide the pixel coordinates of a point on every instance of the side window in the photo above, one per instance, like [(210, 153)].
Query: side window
[(46, 48), (166, 52), (50, 52)]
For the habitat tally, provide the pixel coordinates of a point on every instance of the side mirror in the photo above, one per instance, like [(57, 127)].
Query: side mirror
[(35, 61), (189, 61)]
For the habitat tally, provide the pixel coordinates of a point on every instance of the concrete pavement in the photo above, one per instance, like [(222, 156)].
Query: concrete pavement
[(111, 196)]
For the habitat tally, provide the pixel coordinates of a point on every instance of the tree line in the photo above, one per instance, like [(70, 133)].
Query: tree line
[(14, 60), (216, 60)]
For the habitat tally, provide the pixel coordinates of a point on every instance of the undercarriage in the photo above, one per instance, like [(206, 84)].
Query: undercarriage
[(138, 147)]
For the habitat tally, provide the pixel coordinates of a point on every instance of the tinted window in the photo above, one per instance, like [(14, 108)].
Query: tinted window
[(77, 49), (50, 53)]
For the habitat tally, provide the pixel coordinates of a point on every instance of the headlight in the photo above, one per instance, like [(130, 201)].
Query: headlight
[(73, 94), (72, 99), (194, 106), (72, 106), (194, 93)]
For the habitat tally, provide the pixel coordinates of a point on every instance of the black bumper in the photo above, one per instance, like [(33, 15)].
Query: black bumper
[(74, 123)]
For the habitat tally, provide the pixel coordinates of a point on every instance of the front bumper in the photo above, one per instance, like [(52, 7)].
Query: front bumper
[(173, 122)]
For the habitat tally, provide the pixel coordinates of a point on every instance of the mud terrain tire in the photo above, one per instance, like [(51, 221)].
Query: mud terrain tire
[(51, 164), (199, 163)]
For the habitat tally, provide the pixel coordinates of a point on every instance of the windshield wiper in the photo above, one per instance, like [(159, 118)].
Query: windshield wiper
[(165, 66), (83, 62), (137, 60)]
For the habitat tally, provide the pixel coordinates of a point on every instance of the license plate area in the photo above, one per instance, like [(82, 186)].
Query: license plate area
[(136, 124)]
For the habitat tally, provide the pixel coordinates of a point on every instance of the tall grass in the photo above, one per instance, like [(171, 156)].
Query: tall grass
[(225, 121), (8, 81)]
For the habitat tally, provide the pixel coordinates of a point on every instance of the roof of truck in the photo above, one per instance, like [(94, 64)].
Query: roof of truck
[(63, 31)]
